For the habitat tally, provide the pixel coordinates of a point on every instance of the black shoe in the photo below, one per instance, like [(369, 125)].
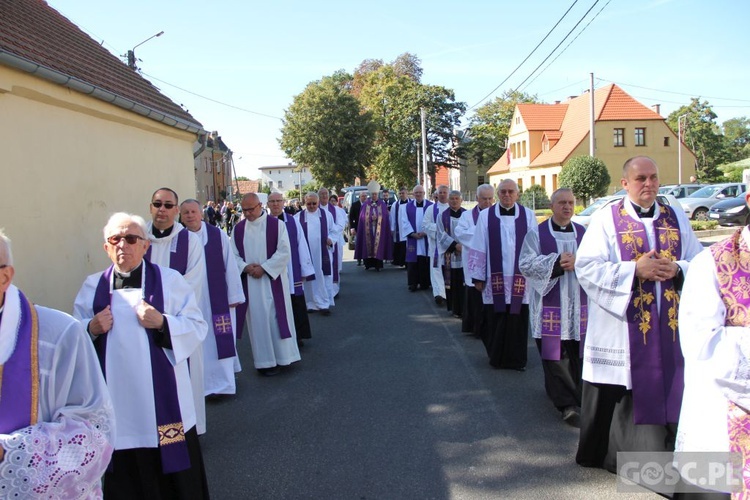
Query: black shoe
[(359, 262), (325, 312), (412, 288), (300, 343), (269, 372), (439, 300), (311, 311), (571, 416)]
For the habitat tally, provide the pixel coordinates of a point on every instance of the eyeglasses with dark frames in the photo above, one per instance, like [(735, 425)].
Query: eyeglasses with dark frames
[(167, 204), (130, 239)]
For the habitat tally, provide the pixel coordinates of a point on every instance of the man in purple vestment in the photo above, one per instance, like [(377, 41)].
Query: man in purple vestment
[(56, 418), (374, 231)]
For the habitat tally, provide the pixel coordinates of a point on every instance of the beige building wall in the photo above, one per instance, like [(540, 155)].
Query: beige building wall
[(69, 161)]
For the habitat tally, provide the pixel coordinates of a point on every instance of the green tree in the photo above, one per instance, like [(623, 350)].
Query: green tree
[(265, 188), (737, 138), (326, 129), (586, 176), (242, 178), (703, 136), (488, 128), (535, 198)]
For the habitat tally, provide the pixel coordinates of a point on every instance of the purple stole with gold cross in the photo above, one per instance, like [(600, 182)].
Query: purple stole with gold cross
[(172, 445), (178, 260), (732, 259), (446, 220), (217, 292), (19, 376), (411, 216), (656, 362), (551, 303), (277, 287), (496, 261), (291, 229), (332, 210)]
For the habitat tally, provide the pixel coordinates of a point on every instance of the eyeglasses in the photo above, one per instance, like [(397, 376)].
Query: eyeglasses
[(130, 239), (311, 204), (506, 191), (167, 204), (250, 209), (4, 266)]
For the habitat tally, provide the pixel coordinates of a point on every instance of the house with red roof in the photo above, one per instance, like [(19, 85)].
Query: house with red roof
[(543, 137), (85, 136)]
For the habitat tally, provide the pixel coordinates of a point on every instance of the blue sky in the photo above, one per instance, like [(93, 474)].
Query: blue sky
[(256, 56)]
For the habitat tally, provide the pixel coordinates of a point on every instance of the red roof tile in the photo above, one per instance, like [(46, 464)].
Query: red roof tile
[(247, 186), (542, 116), (33, 30)]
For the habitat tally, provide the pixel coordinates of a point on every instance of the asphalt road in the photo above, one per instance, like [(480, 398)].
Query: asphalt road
[(392, 401)]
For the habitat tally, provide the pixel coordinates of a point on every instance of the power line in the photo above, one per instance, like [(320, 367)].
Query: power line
[(676, 93), (213, 100), (527, 57), (562, 88), (558, 45), (569, 44)]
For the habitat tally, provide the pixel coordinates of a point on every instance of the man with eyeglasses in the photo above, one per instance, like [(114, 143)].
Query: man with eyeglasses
[(261, 247), (429, 227), (493, 266), (317, 227), (451, 252), (417, 260), (475, 317), (337, 235), (54, 402), (173, 246), (300, 267), (145, 324), (399, 247), (221, 293)]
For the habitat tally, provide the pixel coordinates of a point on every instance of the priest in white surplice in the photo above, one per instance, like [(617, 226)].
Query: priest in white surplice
[(557, 308), (493, 266), (451, 253), (630, 264), (337, 235), (221, 294), (54, 405), (410, 227), (399, 247), (475, 316), (261, 246), (429, 227), (715, 340), (317, 226), (145, 324)]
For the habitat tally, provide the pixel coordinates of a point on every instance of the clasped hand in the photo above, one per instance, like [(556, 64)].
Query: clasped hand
[(652, 267)]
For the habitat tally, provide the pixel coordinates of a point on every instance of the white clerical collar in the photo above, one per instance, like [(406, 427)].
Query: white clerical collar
[(127, 274)]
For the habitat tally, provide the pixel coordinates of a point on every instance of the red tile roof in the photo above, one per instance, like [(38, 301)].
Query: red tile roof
[(247, 186), (33, 30), (542, 116)]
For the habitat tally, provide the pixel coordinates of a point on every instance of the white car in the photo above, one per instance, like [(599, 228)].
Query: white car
[(606, 202)]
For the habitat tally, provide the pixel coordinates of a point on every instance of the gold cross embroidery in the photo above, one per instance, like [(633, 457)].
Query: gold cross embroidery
[(223, 324), (497, 283), (519, 285), (551, 321)]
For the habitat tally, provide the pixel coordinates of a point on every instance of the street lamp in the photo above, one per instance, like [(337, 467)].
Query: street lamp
[(131, 52), (679, 146)]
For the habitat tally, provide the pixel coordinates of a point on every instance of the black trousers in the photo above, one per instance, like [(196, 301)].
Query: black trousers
[(418, 273), (471, 320), (454, 295), (507, 340), (301, 319), (607, 427), (562, 379), (399, 253)]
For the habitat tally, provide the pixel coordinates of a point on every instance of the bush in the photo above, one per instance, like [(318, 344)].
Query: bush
[(703, 225), (586, 176), (534, 198)]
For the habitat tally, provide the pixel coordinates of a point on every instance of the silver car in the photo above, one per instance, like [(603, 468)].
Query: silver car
[(698, 204), (584, 217), (680, 190)]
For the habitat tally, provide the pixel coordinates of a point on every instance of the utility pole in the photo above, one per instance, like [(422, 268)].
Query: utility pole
[(679, 146), (424, 147), (592, 138), (131, 52)]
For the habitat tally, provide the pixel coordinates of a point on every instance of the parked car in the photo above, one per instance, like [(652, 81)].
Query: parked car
[(680, 190), (697, 205), (731, 212), (584, 217), (351, 194)]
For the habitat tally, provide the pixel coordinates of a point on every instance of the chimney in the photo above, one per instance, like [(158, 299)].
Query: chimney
[(657, 109), (557, 102)]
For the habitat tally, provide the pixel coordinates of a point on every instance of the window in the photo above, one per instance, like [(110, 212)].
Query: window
[(280, 184), (205, 166), (518, 120), (480, 180), (554, 182), (543, 180), (270, 184), (533, 180), (520, 184), (619, 137), (523, 151), (640, 136), (666, 142)]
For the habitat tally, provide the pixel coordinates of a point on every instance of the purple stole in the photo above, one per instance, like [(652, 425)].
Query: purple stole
[(411, 243), (217, 292), (332, 210), (374, 245), (326, 259), (446, 220), (732, 257), (291, 229), (172, 444), (551, 303), (277, 286), (656, 362), (19, 376), (475, 214), (178, 259), (435, 212), (496, 261)]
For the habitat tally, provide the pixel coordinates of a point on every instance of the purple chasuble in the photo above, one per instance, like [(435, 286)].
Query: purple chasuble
[(374, 232), (656, 362), (551, 303), (326, 259), (172, 444), (332, 211), (411, 216), (277, 288), (178, 260), (217, 292), (291, 229), (496, 261), (19, 376), (732, 258)]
